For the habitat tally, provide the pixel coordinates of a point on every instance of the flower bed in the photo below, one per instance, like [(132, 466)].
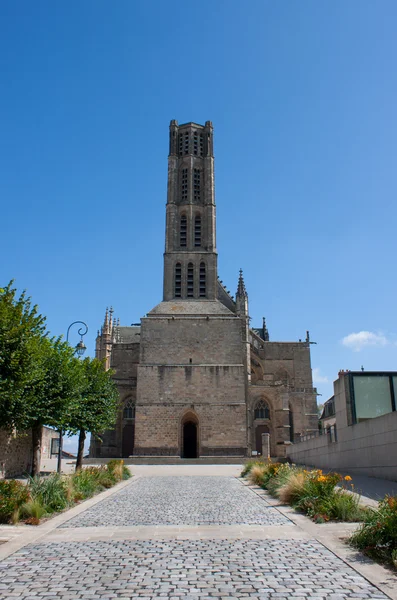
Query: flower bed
[(377, 536), (311, 492), (43, 496)]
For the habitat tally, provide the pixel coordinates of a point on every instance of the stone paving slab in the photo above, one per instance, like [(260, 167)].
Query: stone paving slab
[(180, 570), (181, 501)]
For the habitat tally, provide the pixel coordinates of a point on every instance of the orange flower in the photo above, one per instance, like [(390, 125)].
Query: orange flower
[(348, 478)]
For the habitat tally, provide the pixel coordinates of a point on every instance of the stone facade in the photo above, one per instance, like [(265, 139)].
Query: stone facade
[(16, 451), (194, 378)]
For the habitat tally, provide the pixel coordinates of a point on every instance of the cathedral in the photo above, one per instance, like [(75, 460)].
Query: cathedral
[(195, 379)]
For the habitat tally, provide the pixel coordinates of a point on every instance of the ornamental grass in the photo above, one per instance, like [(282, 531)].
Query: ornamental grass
[(310, 491), (42, 496)]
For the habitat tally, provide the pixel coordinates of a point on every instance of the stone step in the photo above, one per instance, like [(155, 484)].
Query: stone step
[(175, 460)]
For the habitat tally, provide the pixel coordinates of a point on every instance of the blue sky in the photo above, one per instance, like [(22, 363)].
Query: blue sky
[(302, 96)]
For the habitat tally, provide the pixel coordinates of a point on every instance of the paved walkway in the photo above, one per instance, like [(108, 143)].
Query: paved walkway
[(179, 534)]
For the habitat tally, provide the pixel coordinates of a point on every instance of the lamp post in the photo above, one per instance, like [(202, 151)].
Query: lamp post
[(80, 348)]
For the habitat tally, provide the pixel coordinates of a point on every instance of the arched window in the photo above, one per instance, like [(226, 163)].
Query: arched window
[(178, 280), (203, 290), (183, 232), (196, 185), (184, 184), (186, 143), (190, 280), (197, 231), (291, 425), (129, 409), (262, 410)]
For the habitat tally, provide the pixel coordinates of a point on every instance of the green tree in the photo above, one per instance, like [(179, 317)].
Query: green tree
[(55, 394), (96, 409), (22, 329), (40, 379)]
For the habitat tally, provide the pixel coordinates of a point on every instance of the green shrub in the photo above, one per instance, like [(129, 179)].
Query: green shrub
[(377, 536), (86, 482), (278, 476), (341, 506), (50, 492), (12, 495), (118, 469)]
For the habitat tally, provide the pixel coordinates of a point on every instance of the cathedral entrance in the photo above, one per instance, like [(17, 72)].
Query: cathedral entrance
[(189, 440), (128, 440)]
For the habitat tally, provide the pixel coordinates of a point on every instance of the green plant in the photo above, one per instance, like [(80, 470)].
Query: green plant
[(377, 536), (12, 495), (278, 477), (116, 468), (341, 506), (292, 488), (33, 511), (50, 492)]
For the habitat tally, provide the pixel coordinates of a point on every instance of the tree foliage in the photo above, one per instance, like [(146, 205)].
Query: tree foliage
[(96, 409), (43, 383)]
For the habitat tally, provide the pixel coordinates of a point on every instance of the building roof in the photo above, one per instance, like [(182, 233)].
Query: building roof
[(191, 307), (127, 335)]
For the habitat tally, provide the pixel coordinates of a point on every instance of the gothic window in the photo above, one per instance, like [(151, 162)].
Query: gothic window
[(202, 290), (186, 143), (262, 410), (197, 184), (201, 144), (195, 143), (178, 280), (291, 425), (129, 410), (183, 232), (197, 231), (190, 280), (180, 144), (184, 185)]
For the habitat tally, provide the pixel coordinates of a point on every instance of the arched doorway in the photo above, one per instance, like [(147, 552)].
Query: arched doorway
[(189, 434), (259, 429)]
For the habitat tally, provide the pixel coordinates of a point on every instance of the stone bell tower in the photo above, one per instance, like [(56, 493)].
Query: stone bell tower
[(190, 258)]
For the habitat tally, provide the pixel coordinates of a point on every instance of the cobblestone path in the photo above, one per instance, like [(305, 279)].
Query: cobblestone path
[(283, 565), (182, 569), (182, 501)]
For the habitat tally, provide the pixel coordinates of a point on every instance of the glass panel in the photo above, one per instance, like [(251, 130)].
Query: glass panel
[(395, 388), (372, 396)]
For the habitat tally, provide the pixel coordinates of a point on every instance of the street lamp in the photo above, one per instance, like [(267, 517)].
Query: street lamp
[(80, 348)]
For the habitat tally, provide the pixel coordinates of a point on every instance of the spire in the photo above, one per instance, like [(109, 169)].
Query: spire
[(265, 330), (111, 311), (241, 291), (106, 321)]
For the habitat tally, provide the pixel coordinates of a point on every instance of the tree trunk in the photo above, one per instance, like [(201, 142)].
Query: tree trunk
[(37, 434), (80, 452)]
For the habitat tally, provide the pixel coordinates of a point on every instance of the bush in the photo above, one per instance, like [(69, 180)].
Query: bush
[(377, 537), (118, 469), (279, 477), (86, 482), (342, 506), (50, 492), (12, 495)]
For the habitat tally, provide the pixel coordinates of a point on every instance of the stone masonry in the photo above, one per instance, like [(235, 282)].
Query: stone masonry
[(194, 378)]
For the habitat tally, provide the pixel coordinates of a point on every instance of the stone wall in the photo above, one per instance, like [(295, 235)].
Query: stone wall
[(15, 453), (191, 368)]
